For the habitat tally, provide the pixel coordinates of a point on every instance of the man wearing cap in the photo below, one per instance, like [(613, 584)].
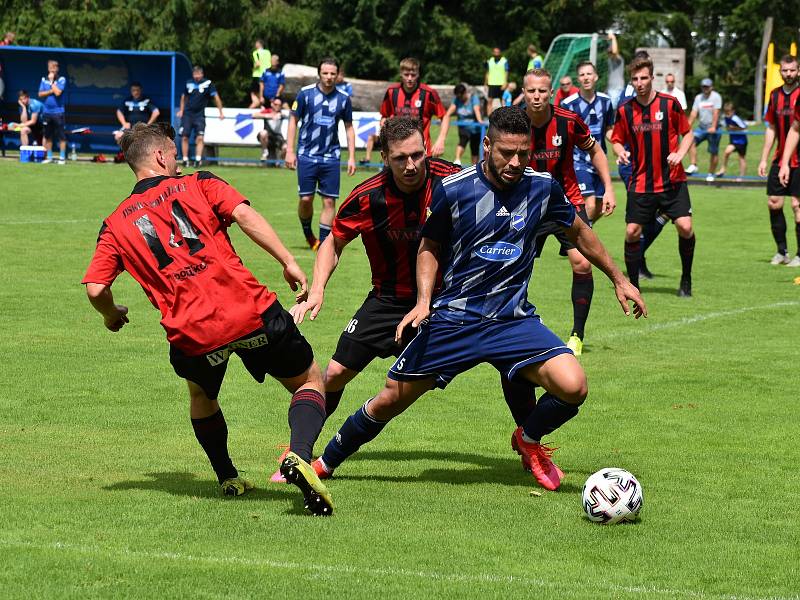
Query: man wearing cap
[(706, 109)]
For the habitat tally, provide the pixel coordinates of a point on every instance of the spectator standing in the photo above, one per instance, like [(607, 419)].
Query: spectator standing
[(675, 92), (51, 90), (508, 93), (706, 110), (192, 112), (273, 144), (496, 77), (565, 90), (738, 141), (535, 59), (467, 108), (30, 119), (262, 60), (272, 83), (616, 71), (136, 108)]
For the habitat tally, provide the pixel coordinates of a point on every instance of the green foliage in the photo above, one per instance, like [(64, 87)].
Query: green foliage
[(451, 38)]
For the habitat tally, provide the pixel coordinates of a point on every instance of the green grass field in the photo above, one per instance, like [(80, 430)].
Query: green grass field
[(107, 493)]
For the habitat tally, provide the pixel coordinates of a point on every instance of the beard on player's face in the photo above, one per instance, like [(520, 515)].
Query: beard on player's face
[(500, 166)]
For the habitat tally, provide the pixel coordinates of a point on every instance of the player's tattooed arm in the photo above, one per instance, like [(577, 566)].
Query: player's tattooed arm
[(325, 264), (586, 240), (101, 298), (427, 267)]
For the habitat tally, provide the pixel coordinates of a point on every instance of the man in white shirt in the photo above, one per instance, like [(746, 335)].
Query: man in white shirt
[(673, 91), (706, 109)]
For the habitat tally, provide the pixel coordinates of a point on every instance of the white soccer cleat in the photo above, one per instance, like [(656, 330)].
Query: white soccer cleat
[(691, 169), (709, 178), (795, 262), (780, 259)]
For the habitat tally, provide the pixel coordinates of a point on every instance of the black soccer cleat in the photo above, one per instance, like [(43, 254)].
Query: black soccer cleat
[(316, 497), (685, 289), (644, 272)]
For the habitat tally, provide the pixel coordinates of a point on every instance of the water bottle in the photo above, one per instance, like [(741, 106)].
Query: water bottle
[(73, 152)]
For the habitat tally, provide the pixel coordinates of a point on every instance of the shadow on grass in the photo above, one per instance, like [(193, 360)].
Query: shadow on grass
[(185, 484), (484, 469), (659, 289)]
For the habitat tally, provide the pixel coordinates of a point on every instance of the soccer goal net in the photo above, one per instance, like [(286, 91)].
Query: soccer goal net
[(568, 49)]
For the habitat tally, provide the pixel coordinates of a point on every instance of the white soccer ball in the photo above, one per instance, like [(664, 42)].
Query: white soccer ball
[(612, 496)]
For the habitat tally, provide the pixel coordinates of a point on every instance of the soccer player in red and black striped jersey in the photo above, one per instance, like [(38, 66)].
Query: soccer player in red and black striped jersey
[(555, 133), (652, 124), (416, 100), (171, 236), (782, 102)]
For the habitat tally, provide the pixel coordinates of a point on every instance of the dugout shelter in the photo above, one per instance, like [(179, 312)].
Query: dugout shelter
[(97, 82)]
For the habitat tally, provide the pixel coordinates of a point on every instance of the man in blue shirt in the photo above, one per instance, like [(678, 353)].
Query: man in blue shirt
[(319, 108), (136, 108), (481, 230), (51, 91), (192, 113), (30, 119), (272, 82), (597, 111)]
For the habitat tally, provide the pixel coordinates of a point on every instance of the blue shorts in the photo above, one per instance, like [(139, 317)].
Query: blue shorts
[(625, 172), (442, 349), (313, 177), (590, 184), (192, 122), (701, 135)]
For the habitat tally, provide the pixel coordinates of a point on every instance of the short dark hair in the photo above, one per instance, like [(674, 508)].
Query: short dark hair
[(137, 84), (585, 63), (22, 93), (639, 64), (641, 54), (459, 89), (397, 129), (328, 60), (788, 59), (137, 142), (197, 68), (729, 106), (508, 119)]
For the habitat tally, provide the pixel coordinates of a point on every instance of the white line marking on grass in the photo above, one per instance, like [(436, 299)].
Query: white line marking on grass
[(694, 319), (50, 221), (373, 571)]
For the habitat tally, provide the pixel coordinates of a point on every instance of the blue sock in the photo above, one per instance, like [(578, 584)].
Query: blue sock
[(550, 414), (49, 154), (357, 430), (324, 230), (62, 154)]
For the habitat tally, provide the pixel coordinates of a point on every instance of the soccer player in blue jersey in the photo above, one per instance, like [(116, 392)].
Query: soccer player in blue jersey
[(481, 231), (597, 111), (192, 113), (51, 93), (319, 108)]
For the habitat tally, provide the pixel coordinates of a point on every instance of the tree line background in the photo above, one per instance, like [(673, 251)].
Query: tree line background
[(451, 38)]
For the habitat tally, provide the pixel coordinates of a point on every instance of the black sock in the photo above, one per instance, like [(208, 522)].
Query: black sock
[(633, 260), (686, 250), (357, 430), (306, 418), (550, 414), (212, 433), (306, 225), (324, 230), (652, 231), (582, 290), (778, 223), (797, 235), (520, 397), (332, 400)]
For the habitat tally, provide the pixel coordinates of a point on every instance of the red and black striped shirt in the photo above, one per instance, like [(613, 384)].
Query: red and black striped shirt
[(422, 103), (388, 221), (652, 132), (552, 145), (780, 109)]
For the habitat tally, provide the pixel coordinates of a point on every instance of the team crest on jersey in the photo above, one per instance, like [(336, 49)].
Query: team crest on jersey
[(418, 103), (556, 140), (517, 222), (659, 116)]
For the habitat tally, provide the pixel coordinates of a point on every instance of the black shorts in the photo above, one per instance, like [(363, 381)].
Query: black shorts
[(277, 348), (642, 207), (255, 85), (53, 128), (741, 149), (774, 187), (370, 333), (36, 132), (192, 122), (495, 91), (467, 136), (554, 229)]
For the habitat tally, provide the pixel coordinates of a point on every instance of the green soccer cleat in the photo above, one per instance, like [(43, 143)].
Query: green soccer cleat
[(316, 497), (236, 486), (575, 344)]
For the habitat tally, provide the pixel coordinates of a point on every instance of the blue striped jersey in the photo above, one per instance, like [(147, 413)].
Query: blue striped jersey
[(487, 238), (598, 116), (318, 115)]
